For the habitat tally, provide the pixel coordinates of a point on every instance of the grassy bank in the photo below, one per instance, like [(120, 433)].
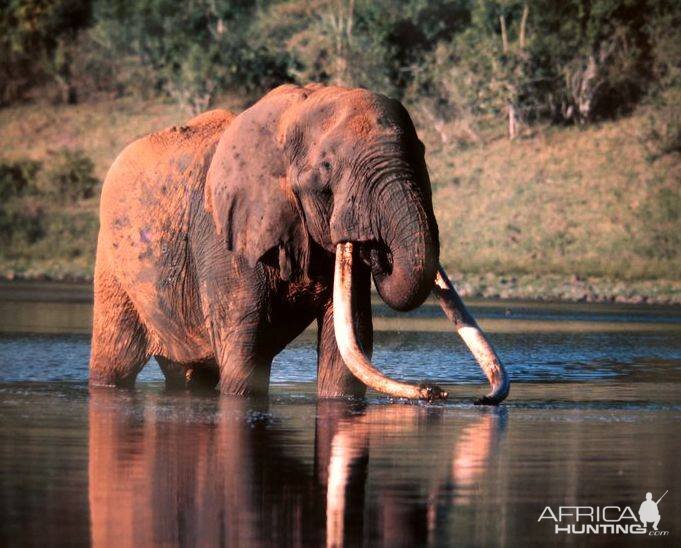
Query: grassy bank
[(562, 213)]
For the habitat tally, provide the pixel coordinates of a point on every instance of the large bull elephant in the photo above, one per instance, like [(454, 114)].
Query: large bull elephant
[(223, 239)]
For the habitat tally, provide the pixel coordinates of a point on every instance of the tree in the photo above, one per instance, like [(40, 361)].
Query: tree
[(194, 49), (36, 41), (514, 63)]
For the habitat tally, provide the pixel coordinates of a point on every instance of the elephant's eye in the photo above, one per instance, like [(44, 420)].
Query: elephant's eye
[(326, 166)]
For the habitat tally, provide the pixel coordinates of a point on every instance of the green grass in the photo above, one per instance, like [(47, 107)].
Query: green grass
[(565, 213)]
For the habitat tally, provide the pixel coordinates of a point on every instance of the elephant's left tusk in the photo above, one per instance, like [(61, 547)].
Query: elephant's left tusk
[(474, 338)]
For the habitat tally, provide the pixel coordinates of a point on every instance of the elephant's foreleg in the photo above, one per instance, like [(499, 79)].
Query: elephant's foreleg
[(234, 299), (334, 379), (243, 371), (119, 341)]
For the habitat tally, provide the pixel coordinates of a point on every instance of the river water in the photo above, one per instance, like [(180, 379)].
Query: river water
[(592, 421)]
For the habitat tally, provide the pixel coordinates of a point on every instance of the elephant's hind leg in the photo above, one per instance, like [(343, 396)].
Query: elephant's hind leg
[(174, 373), (199, 376), (119, 339)]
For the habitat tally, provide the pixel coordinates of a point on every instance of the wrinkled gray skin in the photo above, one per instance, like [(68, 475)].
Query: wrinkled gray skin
[(217, 239)]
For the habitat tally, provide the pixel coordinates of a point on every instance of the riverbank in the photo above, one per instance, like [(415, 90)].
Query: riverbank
[(568, 214), (488, 287), (556, 287)]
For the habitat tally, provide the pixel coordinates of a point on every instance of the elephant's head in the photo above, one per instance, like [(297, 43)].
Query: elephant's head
[(338, 169), (329, 165)]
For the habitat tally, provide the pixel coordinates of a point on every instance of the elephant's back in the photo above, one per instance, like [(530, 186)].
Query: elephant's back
[(199, 131), (172, 155), (154, 179), (145, 209)]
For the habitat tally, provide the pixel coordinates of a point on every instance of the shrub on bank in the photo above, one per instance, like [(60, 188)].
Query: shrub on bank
[(69, 176), (16, 177), (67, 236), (21, 224), (661, 132), (34, 224)]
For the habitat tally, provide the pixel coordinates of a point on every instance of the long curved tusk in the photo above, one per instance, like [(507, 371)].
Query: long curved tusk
[(474, 338), (346, 338)]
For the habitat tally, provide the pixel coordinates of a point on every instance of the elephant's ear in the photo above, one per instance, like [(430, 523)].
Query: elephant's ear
[(248, 192)]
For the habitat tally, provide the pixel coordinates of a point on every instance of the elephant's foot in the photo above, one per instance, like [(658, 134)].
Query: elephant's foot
[(173, 372), (244, 375), (120, 371), (119, 344), (110, 379), (334, 379)]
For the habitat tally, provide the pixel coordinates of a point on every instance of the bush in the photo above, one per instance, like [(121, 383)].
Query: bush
[(660, 217), (661, 132), (21, 224), (16, 177), (67, 235), (36, 39), (69, 176), (192, 53)]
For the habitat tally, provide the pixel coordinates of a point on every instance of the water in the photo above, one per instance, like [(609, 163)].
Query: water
[(593, 420)]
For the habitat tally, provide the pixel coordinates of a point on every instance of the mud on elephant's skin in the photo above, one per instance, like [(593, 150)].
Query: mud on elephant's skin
[(221, 240)]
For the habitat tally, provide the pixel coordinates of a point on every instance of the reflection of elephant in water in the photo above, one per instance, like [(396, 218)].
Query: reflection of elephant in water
[(223, 473), (218, 242)]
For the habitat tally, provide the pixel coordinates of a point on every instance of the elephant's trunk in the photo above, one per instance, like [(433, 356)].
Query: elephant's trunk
[(410, 235), (346, 337)]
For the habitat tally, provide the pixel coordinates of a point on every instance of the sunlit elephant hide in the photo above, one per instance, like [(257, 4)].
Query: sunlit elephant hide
[(223, 239)]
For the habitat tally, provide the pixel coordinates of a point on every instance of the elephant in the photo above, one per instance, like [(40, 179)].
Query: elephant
[(221, 240)]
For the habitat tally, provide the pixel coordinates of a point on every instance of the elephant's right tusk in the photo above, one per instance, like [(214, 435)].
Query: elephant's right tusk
[(474, 338), (346, 338)]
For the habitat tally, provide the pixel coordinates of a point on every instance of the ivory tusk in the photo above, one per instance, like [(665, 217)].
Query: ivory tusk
[(474, 338), (346, 338)]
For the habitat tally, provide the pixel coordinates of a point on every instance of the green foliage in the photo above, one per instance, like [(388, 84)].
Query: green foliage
[(66, 235), (661, 132), (378, 44), (538, 59), (34, 225), (660, 216), (36, 41), (16, 177), (21, 224), (663, 29), (191, 50), (569, 61), (69, 176)]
